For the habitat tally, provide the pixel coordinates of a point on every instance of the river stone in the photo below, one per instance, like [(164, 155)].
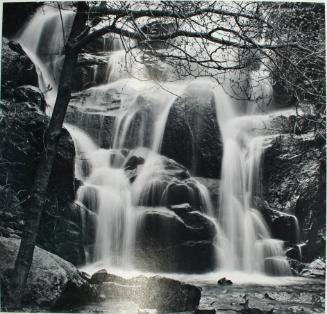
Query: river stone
[(51, 280)]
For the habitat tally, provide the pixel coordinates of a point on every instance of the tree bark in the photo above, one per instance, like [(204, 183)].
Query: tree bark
[(18, 278)]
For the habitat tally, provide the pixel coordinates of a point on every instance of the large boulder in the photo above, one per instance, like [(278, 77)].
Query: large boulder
[(51, 281), (192, 136), (175, 242)]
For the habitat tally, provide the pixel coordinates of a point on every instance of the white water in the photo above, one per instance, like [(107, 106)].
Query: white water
[(247, 245)]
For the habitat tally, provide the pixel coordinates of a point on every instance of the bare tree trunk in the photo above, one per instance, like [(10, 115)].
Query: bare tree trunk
[(18, 278)]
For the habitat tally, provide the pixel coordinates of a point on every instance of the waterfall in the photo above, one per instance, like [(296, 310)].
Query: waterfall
[(243, 241), (247, 244), (43, 40)]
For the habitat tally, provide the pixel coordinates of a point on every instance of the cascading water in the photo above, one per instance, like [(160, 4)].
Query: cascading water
[(247, 244), (243, 241)]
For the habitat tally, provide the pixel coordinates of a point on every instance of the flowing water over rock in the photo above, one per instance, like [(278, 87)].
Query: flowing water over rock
[(131, 181)]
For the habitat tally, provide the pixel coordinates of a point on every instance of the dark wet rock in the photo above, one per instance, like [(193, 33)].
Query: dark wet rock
[(171, 243), (294, 183), (16, 68), (223, 281), (51, 281), (192, 136), (99, 127), (316, 269)]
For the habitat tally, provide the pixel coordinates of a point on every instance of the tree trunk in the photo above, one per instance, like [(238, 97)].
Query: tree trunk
[(18, 278)]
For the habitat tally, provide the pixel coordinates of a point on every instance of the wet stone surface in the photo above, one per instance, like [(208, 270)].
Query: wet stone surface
[(236, 298)]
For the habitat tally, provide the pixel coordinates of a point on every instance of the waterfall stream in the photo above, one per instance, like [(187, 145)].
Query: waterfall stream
[(243, 240), (43, 40)]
